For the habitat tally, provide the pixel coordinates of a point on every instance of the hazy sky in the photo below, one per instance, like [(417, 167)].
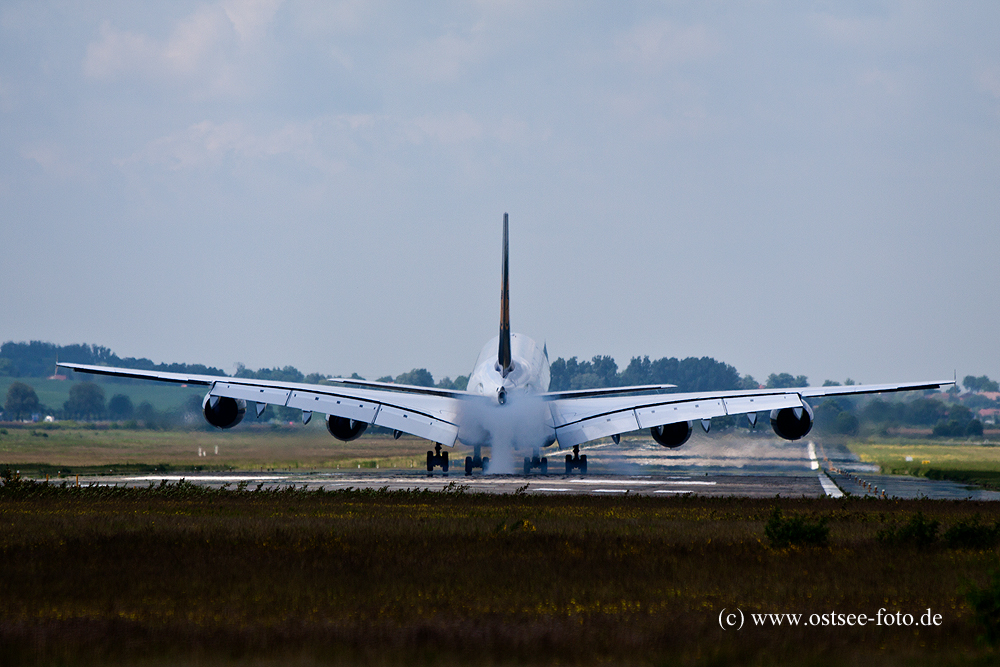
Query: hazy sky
[(811, 188)]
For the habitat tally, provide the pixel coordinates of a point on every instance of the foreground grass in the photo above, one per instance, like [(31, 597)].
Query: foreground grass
[(184, 574), (960, 461)]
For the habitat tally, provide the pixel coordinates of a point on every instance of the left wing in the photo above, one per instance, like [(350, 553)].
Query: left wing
[(578, 420), (426, 412)]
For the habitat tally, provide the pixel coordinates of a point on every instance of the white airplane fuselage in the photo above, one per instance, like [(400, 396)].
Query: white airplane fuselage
[(516, 412)]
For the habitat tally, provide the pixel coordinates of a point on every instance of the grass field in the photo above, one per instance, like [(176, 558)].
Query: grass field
[(38, 450), (53, 393), (186, 575), (960, 461)]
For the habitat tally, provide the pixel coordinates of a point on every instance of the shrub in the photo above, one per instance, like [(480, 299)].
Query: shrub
[(919, 531), (985, 603), (796, 530), (970, 534)]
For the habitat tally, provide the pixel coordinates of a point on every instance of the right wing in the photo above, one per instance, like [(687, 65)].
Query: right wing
[(579, 420), (425, 412)]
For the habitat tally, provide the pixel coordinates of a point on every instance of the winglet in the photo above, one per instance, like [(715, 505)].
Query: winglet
[(504, 360)]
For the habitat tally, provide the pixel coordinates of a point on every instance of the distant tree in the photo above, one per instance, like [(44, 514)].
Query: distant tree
[(120, 407), (785, 380), (924, 412), (883, 412), (974, 428), (22, 401), (748, 382), (86, 401), (981, 383), (846, 424), (146, 413), (314, 378), (830, 383), (849, 382), (385, 378), (7, 368), (458, 384), (419, 377)]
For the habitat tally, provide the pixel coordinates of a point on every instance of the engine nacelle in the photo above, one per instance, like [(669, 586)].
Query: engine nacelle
[(222, 411), (792, 423), (345, 429), (672, 435)]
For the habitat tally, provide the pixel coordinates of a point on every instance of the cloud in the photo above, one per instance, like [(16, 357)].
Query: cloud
[(205, 49), (250, 18), (662, 43), (447, 57), (449, 128), (208, 144)]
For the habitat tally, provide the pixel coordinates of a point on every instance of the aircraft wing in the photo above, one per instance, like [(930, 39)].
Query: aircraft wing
[(425, 412), (579, 420)]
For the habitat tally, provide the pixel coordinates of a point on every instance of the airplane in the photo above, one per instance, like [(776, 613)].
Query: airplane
[(507, 404)]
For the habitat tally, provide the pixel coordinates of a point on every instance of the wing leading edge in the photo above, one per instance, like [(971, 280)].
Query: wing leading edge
[(427, 414), (579, 420)]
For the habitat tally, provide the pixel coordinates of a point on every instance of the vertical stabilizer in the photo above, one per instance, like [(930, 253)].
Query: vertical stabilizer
[(504, 360)]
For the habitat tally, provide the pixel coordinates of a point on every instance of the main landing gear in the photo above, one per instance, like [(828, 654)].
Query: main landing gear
[(536, 462), (576, 462), (476, 461), (436, 459)]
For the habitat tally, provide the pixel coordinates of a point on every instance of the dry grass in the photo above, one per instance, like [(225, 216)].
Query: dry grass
[(196, 576), (81, 449)]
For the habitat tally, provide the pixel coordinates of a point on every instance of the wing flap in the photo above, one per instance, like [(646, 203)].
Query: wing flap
[(418, 424), (340, 406), (657, 415), (270, 395), (743, 404), (596, 427)]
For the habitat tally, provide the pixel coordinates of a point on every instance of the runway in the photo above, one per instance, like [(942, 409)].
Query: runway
[(736, 465)]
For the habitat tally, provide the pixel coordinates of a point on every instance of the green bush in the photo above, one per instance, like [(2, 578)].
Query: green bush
[(985, 603), (919, 531), (796, 530), (971, 534)]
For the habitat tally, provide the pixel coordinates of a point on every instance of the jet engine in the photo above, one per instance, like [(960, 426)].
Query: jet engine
[(792, 423), (222, 411), (345, 429), (672, 435)]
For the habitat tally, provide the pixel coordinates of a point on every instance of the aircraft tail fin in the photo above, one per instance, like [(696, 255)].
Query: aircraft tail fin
[(504, 360)]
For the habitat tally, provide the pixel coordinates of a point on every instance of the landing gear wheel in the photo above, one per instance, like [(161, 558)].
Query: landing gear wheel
[(444, 463), (430, 461), (576, 462), (468, 465), (437, 459), (486, 463), (527, 466), (545, 466)]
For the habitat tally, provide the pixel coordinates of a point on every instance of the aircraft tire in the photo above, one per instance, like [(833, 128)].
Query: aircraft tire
[(545, 466), (430, 461), (444, 461), (468, 465)]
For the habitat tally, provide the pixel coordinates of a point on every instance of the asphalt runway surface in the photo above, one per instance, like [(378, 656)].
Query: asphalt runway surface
[(754, 467)]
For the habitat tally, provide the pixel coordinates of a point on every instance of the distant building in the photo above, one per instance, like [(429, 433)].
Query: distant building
[(989, 415)]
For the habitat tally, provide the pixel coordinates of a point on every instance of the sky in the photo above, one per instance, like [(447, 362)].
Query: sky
[(802, 187)]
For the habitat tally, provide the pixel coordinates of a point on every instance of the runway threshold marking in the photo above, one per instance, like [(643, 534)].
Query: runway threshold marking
[(830, 488)]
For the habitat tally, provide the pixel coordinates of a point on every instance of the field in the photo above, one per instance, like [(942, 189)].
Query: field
[(37, 450), (960, 461), (53, 393), (182, 574)]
